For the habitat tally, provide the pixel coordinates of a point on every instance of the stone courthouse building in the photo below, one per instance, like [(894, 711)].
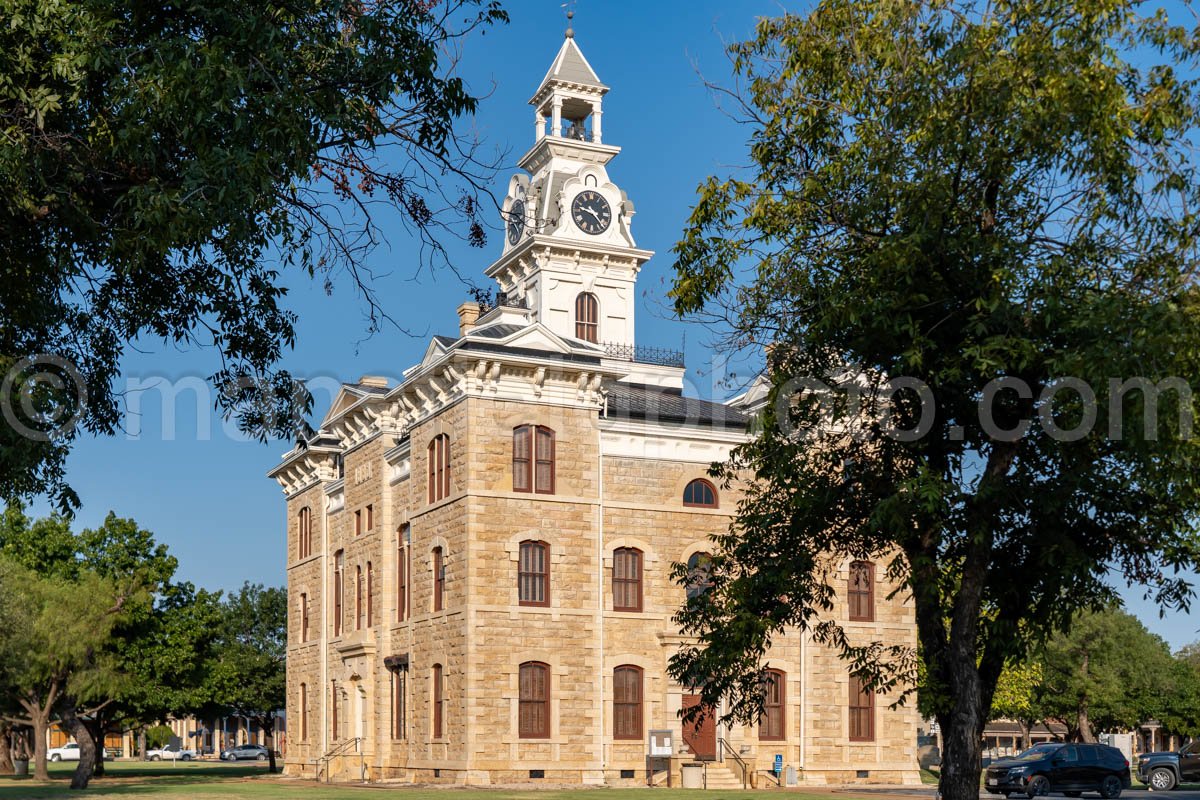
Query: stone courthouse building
[(479, 558)]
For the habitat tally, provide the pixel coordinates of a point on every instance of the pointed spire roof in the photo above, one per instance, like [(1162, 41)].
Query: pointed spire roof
[(571, 67)]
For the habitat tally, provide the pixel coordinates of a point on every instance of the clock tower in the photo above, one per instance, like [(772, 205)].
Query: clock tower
[(569, 253)]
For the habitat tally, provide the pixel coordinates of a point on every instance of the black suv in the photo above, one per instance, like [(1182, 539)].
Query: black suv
[(1071, 769), (1163, 771)]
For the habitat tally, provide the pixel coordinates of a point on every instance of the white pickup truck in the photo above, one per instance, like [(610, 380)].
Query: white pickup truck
[(169, 753), (68, 752)]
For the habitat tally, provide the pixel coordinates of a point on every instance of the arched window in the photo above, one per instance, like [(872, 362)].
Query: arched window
[(439, 468), (700, 494), (439, 579), (402, 567), (861, 591), (699, 574), (370, 595), (304, 533), (773, 724), (587, 317), (862, 711), (534, 711), (304, 712), (533, 459), (358, 598), (533, 574), (339, 588), (439, 701), (627, 579), (627, 702)]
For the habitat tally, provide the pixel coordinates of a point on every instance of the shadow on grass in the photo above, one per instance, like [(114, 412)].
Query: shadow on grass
[(128, 779)]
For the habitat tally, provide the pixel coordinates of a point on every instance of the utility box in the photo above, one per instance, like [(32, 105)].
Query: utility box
[(693, 776), (790, 777), (1121, 741)]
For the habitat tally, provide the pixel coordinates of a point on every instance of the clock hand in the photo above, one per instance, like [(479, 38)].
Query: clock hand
[(589, 210)]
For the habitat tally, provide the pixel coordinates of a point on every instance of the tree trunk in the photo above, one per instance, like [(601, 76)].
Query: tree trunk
[(87, 749), (1084, 725), (1026, 735), (268, 726), (96, 727), (6, 748), (141, 742), (41, 725), (962, 736)]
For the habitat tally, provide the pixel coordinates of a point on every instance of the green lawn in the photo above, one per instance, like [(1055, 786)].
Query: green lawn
[(138, 780)]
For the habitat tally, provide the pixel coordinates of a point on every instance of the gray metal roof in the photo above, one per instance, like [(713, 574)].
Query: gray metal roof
[(497, 331), (570, 66), (628, 401)]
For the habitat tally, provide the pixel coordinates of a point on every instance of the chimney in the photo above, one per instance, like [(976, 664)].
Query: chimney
[(467, 314)]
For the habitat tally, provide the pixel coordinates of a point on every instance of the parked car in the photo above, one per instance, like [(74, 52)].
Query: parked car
[(1164, 771), (1069, 769), (69, 752), (169, 753), (245, 752)]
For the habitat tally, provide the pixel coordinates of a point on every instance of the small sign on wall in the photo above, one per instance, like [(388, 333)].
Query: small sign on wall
[(778, 763), (661, 744)]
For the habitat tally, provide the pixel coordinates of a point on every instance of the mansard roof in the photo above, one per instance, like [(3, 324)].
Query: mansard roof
[(654, 404)]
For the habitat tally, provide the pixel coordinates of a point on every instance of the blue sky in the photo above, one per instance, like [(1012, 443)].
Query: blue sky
[(202, 489)]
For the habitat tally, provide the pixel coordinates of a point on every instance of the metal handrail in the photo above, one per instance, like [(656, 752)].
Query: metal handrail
[(340, 750), (741, 761)]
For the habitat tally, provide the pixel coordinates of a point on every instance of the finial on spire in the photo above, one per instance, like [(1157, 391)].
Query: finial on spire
[(570, 34)]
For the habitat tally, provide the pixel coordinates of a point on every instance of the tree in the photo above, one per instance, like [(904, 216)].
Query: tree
[(247, 676), (162, 166), (1016, 697), (950, 210), (1106, 672)]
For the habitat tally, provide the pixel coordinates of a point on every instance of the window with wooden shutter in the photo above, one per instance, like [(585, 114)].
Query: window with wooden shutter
[(773, 724), (339, 567), (439, 579), (304, 533), (439, 700), (700, 494), (400, 703), (533, 574), (370, 595), (587, 317), (861, 591), (862, 711), (627, 579), (523, 458), (534, 702), (439, 468), (304, 617), (333, 711), (544, 464), (533, 459), (358, 598), (304, 712), (627, 702), (402, 564)]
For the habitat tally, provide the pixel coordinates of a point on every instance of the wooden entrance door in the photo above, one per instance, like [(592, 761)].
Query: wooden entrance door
[(700, 736)]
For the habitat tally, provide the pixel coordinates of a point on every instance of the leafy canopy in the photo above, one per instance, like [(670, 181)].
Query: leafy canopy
[(952, 193), (161, 166)]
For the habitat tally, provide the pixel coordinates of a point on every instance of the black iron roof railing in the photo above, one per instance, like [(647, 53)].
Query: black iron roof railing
[(641, 354)]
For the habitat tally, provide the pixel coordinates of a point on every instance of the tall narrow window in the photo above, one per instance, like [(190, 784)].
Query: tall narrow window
[(773, 724), (339, 567), (534, 701), (862, 711), (587, 317), (370, 595), (438, 701), (358, 522), (402, 574), (303, 616), (333, 710), (700, 494), (533, 459), (627, 579), (439, 579), (304, 533), (439, 468), (370, 516), (358, 598), (627, 702), (699, 575), (861, 591), (304, 712), (533, 574), (399, 703)]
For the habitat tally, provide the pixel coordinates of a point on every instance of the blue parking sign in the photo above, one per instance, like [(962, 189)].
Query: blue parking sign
[(778, 763)]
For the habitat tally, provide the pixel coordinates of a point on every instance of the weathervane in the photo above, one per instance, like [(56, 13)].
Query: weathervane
[(570, 6)]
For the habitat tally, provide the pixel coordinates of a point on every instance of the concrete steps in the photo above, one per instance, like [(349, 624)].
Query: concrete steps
[(724, 776)]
